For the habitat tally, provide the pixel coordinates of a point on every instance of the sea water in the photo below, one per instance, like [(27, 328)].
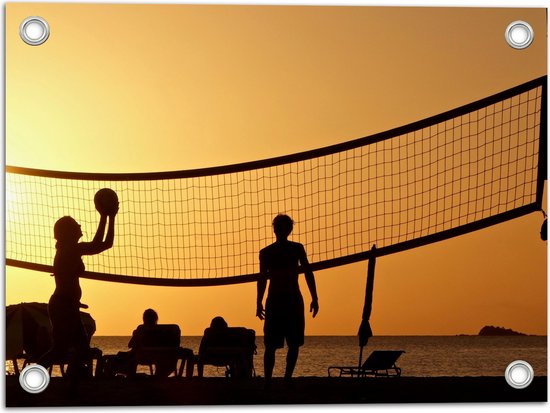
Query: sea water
[(425, 356)]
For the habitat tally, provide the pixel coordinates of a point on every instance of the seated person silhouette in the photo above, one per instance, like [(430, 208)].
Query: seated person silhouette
[(232, 347), (150, 318), (147, 336), (212, 336), (215, 333)]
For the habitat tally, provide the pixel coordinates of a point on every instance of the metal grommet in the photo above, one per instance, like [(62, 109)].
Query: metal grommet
[(34, 379), (519, 374), (519, 34), (34, 30)]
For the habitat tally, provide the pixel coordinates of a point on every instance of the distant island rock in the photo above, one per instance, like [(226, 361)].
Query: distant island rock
[(498, 331)]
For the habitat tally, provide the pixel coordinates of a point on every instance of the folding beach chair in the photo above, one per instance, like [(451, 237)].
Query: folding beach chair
[(379, 363)]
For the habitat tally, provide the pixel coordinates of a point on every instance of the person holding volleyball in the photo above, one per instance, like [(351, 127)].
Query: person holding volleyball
[(69, 338)]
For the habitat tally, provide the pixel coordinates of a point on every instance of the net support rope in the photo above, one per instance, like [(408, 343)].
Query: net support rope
[(447, 175)]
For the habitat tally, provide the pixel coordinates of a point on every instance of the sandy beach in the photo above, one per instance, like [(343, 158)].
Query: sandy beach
[(148, 391)]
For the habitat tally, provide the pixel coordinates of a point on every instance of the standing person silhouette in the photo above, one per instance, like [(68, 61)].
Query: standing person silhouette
[(68, 334), (280, 263)]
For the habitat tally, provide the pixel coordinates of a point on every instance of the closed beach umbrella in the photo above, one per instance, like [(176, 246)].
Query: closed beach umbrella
[(28, 329), (365, 331)]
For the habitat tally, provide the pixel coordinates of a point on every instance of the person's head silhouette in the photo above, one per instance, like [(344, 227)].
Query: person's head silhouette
[(218, 323), (282, 226), (66, 230), (150, 317)]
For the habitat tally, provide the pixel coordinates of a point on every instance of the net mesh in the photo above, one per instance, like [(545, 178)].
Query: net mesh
[(208, 226)]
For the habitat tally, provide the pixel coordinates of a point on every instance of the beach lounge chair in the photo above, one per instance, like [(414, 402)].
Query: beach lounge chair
[(95, 355), (161, 349), (41, 344), (231, 347), (379, 363)]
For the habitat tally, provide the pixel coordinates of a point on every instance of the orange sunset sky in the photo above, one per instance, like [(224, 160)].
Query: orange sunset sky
[(143, 88)]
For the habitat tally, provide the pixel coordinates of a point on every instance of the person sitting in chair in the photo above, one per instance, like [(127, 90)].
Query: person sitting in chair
[(143, 336), (153, 344), (232, 347), (150, 318)]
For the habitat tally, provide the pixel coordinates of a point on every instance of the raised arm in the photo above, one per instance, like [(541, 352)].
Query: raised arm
[(100, 232), (98, 244)]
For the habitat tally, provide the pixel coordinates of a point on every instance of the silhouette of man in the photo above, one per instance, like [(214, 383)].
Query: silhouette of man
[(280, 263)]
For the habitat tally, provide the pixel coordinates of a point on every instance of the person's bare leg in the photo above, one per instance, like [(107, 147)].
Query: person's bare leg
[(269, 364), (291, 359)]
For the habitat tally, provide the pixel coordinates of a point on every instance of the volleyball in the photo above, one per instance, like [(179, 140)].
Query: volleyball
[(106, 201)]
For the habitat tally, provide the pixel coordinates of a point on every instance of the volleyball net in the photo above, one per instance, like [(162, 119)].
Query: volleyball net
[(453, 173)]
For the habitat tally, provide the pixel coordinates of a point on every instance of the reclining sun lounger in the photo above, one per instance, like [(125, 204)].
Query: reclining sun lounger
[(95, 354), (379, 363)]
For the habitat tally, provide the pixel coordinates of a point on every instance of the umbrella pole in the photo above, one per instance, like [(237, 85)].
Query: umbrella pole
[(365, 331), (360, 361)]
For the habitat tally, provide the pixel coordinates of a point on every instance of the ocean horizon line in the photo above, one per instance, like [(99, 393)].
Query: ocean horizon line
[(355, 336)]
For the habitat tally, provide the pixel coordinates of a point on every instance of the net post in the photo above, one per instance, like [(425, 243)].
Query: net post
[(542, 173)]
